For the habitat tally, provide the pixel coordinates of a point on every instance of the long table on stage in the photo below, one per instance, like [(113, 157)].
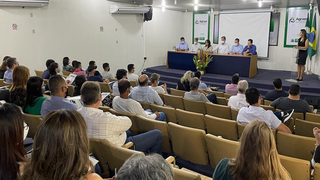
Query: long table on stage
[(224, 64)]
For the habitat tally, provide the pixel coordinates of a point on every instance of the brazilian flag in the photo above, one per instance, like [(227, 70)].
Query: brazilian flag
[(312, 50)]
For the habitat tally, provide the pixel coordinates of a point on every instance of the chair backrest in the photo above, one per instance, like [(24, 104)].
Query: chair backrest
[(168, 111), (2, 83), (316, 173), (221, 127), (161, 96), (297, 168), (295, 146), (105, 87), (218, 110), (188, 143), (190, 119), (70, 90), (305, 128), (180, 174), (311, 107), (234, 114), (133, 83), (110, 155), (134, 128), (38, 73), (177, 92), (296, 115), (222, 101), (313, 117), (194, 106), (66, 73), (174, 101), (267, 102), (271, 108), (219, 148), (33, 122), (145, 125), (145, 105), (240, 129), (217, 93), (104, 108)]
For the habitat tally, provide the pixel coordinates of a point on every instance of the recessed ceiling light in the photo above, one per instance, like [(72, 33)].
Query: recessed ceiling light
[(175, 2), (196, 7)]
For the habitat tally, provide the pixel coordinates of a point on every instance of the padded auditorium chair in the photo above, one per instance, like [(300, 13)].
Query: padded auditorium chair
[(298, 169), (218, 110), (104, 108), (271, 108), (145, 105), (227, 96), (195, 106), (305, 128), (234, 114), (296, 115), (33, 122), (180, 174), (134, 128), (66, 73), (174, 101), (145, 125), (133, 83), (105, 87), (242, 126), (190, 119), (2, 83), (267, 102), (313, 117), (221, 127), (316, 173), (38, 73), (189, 143), (217, 93), (222, 101), (70, 90), (168, 111), (177, 92)]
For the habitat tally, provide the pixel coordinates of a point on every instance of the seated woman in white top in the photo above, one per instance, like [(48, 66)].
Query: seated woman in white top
[(154, 79), (208, 47)]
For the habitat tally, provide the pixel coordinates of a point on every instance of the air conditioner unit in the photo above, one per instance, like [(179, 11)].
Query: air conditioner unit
[(128, 10), (23, 3)]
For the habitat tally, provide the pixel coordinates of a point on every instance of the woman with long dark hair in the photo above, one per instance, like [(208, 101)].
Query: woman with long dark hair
[(66, 64), (208, 47), (35, 89), (53, 69), (303, 44), (12, 133), (18, 93)]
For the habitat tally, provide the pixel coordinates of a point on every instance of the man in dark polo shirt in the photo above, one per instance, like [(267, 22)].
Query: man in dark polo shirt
[(277, 92)]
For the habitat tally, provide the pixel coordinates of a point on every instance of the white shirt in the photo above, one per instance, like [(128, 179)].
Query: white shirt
[(132, 77), (104, 125), (248, 114), (158, 89), (195, 47), (196, 96), (106, 75), (130, 106), (238, 101), (222, 48), (146, 94), (115, 89)]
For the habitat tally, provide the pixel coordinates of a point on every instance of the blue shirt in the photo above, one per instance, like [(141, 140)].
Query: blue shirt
[(46, 74), (252, 49), (183, 46), (56, 103), (146, 94), (7, 77), (203, 86), (236, 49), (94, 78)]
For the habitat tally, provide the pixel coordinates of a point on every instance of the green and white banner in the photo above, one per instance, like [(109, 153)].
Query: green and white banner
[(201, 26), (295, 21)]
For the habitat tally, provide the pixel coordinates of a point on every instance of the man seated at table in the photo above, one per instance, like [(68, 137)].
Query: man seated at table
[(223, 47), (196, 46), (250, 49), (182, 46), (237, 48)]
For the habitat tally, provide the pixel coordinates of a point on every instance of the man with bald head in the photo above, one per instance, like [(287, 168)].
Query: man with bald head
[(143, 93)]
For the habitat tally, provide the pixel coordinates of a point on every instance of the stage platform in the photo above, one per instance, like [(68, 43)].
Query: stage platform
[(310, 86)]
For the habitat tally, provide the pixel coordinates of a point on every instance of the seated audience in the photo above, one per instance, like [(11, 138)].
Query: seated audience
[(237, 48), (233, 87), (11, 64), (293, 101), (66, 64), (184, 83), (13, 131), (143, 93), (239, 101), (53, 69), (223, 47), (257, 157), (73, 63), (58, 87), (139, 167), (316, 156), (196, 47), (78, 81), (18, 93), (61, 149), (94, 65), (208, 47), (106, 75), (197, 95), (154, 79), (250, 49), (131, 75), (104, 125), (3, 68), (277, 92), (121, 74), (92, 75), (182, 46), (203, 85), (124, 104), (35, 90), (46, 74), (255, 112), (78, 70)]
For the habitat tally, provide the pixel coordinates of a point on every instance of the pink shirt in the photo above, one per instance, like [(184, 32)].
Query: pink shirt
[(78, 72), (231, 89)]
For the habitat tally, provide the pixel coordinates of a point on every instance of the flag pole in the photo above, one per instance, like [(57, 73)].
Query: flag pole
[(310, 16)]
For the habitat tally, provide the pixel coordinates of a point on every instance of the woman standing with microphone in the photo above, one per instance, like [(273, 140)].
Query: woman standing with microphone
[(302, 54)]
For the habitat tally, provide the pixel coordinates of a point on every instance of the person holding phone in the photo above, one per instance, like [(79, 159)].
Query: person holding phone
[(302, 54)]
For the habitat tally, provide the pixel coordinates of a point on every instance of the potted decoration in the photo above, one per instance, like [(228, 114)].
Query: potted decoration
[(201, 60)]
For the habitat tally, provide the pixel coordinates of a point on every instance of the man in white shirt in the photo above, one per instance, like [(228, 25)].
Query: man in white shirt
[(196, 46), (131, 75), (104, 125), (255, 112), (143, 93), (121, 74), (223, 47), (106, 75), (239, 101), (124, 104)]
